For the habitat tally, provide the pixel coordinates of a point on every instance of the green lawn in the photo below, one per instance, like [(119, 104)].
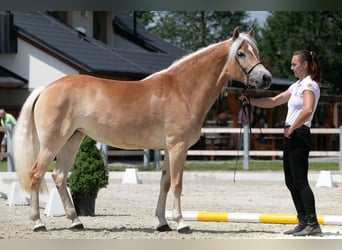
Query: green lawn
[(255, 165), (3, 166), (229, 166)]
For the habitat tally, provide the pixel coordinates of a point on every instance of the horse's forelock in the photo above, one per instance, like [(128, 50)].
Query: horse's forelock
[(238, 42)]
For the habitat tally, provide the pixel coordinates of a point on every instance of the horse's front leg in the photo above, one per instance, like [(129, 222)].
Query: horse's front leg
[(164, 189), (177, 160)]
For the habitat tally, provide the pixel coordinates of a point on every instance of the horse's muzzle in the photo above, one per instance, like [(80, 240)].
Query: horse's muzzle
[(262, 79)]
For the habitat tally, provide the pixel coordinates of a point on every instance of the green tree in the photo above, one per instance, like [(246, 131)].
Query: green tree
[(288, 31), (145, 18), (191, 30)]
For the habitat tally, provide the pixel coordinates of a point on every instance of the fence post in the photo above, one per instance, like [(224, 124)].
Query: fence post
[(245, 146), (10, 167), (146, 158), (104, 150), (340, 162), (157, 159)]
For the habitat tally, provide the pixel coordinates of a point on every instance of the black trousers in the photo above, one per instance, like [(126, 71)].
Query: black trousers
[(296, 166)]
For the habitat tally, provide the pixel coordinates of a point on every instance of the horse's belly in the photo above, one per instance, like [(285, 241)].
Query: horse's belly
[(129, 139)]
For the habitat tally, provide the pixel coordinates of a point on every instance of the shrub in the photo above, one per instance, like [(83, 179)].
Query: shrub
[(88, 173)]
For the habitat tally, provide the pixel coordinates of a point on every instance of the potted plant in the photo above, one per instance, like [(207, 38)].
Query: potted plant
[(88, 175)]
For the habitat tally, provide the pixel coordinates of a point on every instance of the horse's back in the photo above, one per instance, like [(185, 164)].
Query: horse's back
[(114, 112)]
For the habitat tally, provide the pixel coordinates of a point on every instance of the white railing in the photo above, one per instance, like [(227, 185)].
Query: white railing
[(244, 151), (261, 152)]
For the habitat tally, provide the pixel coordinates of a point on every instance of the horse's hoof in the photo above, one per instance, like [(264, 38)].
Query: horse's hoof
[(77, 227), (185, 230), (164, 228), (39, 228)]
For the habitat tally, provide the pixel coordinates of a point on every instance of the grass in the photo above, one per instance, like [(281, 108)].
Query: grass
[(223, 166), (254, 166), (3, 166)]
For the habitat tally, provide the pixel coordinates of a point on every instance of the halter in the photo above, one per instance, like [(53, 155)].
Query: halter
[(247, 73)]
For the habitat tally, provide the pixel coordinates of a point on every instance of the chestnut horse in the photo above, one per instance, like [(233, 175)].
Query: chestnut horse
[(163, 111)]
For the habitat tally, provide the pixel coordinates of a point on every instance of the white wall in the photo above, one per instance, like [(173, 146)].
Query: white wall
[(38, 67)]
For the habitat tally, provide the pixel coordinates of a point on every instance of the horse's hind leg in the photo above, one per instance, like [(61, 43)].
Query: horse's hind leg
[(65, 158), (38, 170)]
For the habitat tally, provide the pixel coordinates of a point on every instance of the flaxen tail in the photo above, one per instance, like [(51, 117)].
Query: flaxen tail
[(25, 142)]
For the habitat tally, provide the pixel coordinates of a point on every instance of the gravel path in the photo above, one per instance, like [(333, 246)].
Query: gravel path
[(126, 211)]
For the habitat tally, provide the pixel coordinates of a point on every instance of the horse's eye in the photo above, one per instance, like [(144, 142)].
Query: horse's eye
[(241, 54)]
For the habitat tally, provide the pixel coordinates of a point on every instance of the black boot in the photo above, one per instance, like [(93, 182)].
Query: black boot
[(301, 225), (312, 227)]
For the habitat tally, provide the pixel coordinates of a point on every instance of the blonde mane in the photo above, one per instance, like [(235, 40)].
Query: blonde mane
[(232, 52), (193, 54)]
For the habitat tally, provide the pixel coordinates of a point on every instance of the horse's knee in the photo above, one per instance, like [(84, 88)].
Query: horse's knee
[(177, 189), (165, 181)]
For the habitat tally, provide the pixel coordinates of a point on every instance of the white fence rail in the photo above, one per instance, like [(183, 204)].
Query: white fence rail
[(261, 152), (244, 151)]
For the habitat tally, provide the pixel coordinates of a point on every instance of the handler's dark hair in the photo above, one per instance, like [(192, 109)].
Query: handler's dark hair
[(314, 65)]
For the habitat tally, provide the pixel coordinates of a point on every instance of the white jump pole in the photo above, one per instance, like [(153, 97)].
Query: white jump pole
[(252, 218)]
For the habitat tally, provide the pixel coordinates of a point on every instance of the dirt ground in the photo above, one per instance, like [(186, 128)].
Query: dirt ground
[(126, 211)]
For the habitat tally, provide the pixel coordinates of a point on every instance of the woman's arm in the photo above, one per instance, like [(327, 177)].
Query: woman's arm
[(268, 102)]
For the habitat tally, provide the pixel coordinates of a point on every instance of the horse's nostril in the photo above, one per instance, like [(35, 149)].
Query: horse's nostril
[(266, 80)]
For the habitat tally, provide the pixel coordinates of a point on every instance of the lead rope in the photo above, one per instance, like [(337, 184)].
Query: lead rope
[(237, 153), (246, 111), (246, 108)]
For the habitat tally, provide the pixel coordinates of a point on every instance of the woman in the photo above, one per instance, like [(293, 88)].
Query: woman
[(302, 99)]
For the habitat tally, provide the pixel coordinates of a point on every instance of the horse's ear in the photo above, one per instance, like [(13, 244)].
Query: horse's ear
[(236, 33), (251, 32)]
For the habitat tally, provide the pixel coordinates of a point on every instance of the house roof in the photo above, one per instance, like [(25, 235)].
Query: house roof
[(9, 79), (136, 53), (94, 56)]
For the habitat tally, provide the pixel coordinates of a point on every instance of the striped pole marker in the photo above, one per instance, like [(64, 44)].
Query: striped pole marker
[(252, 218)]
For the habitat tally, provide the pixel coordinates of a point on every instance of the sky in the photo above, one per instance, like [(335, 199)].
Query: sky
[(259, 15)]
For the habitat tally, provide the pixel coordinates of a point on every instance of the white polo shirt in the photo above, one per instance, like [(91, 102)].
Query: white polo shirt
[(295, 103)]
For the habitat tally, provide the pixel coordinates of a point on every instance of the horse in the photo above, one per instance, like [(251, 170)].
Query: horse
[(162, 111)]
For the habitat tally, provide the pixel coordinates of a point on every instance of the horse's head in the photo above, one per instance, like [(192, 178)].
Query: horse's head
[(244, 55)]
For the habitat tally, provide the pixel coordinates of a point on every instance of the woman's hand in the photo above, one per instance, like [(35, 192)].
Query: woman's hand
[(287, 132), (244, 98)]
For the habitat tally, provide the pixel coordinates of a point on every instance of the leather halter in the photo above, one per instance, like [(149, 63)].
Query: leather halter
[(247, 72)]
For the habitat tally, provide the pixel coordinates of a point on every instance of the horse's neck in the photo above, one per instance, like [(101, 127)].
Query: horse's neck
[(203, 78)]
